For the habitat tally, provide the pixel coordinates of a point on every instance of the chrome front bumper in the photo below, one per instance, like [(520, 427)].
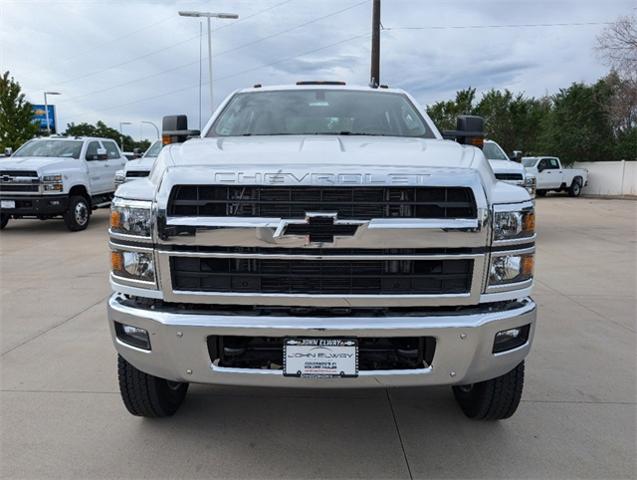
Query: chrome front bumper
[(464, 342)]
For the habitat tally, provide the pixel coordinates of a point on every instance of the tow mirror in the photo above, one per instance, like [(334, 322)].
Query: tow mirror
[(469, 131), (8, 151), (516, 156), (175, 129), (102, 154)]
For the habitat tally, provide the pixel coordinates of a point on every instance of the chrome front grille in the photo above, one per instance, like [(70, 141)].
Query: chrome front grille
[(19, 181), (385, 245)]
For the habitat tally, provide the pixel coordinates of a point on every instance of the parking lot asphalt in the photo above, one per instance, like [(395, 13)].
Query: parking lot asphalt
[(62, 417)]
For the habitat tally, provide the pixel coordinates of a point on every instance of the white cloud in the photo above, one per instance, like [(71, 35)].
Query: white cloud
[(53, 44)]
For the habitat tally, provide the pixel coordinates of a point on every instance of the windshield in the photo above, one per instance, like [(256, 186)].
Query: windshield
[(493, 151), (320, 112), (50, 148), (153, 150), (529, 162)]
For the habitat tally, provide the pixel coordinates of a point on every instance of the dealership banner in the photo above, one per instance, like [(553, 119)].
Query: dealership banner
[(39, 117)]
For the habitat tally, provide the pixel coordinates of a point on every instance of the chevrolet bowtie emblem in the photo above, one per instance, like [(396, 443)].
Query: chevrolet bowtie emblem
[(318, 227)]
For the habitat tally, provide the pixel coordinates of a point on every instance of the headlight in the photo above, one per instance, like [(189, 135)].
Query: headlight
[(52, 183), (514, 224), (120, 177), (530, 183), (133, 265), (52, 178), (513, 268), (131, 217)]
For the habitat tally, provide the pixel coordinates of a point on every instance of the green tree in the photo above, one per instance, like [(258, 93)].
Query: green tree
[(444, 113), (100, 129), (16, 125), (578, 127)]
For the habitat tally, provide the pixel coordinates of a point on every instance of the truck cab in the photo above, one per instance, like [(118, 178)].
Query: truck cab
[(65, 177), (320, 235)]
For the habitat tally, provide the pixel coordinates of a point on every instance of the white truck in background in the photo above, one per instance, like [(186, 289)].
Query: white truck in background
[(551, 176), (64, 177), (139, 167), (508, 170)]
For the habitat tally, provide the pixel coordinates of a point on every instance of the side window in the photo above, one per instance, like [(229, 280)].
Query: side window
[(91, 151), (111, 149), (543, 165), (553, 163)]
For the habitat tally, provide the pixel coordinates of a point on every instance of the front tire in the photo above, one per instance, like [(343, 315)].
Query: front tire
[(576, 188), (495, 399), (78, 214), (4, 219), (147, 396), (541, 193)]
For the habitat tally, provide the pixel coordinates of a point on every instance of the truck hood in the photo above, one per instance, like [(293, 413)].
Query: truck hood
[(506, 166), (140, 164), (325, 159), (40, 164), (322, 150)]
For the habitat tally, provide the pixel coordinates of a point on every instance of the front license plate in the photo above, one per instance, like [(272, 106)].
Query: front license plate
[(320, 357), (7, 203)]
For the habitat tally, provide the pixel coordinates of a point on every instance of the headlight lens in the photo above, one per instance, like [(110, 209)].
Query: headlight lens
[(530, 183), (131, 217), (52, 178), (515, 224), (120, 177), (134, 265), (513, 268), (52, 183)]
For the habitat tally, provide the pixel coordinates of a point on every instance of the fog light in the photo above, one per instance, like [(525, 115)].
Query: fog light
[(134, 336), (511, 338), (134, 265)]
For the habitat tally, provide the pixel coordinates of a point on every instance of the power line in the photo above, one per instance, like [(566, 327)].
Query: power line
[(224, 52), (163, 49), (522, 25), (236, 74), (117, 39)]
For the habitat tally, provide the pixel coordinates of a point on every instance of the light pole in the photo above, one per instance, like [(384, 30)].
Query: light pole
[(46, 110), (208, 16), (121, 135), (156, 129)]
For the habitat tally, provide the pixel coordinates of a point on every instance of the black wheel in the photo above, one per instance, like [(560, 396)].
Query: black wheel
[(494, 399), (4, 219), (147, 396), (78, 214), (541, 193), (576, 187)]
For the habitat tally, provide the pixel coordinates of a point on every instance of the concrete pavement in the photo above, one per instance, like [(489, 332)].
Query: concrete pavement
[(61, 415)]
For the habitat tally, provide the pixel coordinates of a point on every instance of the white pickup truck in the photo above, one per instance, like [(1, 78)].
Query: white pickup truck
[(64, 177), (506, 169), (551, 176), (139, 167), (322, 235)]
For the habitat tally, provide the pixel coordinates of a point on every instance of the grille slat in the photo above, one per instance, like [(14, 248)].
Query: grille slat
[(361, 203), (19, 173), (508, 176), (16, 187), (372, 277)]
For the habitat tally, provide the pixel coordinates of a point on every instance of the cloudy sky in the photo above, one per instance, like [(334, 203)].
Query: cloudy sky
[(128, 60)]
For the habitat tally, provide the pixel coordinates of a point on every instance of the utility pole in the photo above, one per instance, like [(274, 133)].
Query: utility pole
[(374, 80)]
